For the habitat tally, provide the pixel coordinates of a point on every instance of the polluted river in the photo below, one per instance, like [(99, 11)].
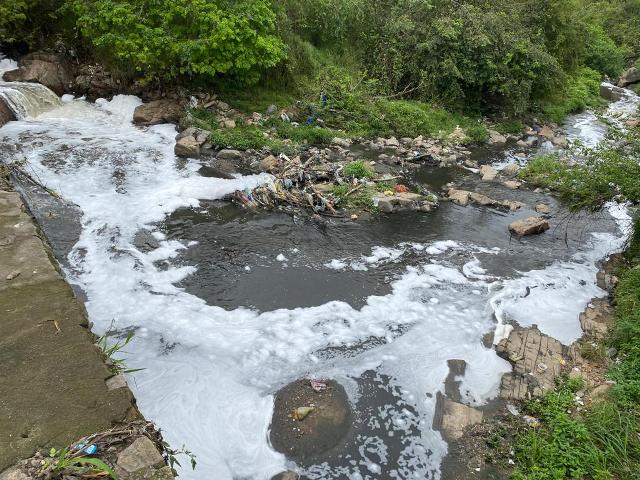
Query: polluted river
[(230, 305)]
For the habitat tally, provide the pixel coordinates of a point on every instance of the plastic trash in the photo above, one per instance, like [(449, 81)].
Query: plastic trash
[(301, 413), (400, 188), (318, 385), (88, 449)]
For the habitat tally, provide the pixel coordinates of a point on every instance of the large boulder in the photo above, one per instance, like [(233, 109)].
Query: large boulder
[(488, 173), (323, 426), (598, 318), (49, 69), (529, 226), (158, 111), (95, 81), (6, 115), (611, 92), (629, 77), (187, 147), (537, 360)]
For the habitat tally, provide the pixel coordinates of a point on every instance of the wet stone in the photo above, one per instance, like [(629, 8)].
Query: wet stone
[(321, 430), (142, 454), (597, 318), (529, 226)]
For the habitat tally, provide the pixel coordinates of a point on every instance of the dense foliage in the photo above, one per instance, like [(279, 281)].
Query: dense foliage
[(168, 39), (478, 55)]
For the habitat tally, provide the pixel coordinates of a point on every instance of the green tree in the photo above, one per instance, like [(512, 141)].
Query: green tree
[(169, 39)]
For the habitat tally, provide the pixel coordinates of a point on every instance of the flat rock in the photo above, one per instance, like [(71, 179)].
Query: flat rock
[(14, 473), (496, 138), (459, 197), (597, 318), (456, 417), (543, 208), (529, 226), (512, 184), (510, 170), (158, 111), (537, 361), (401, 202), (488, 173), (187, 147), (228, 154), (142, 454), (321, 430)]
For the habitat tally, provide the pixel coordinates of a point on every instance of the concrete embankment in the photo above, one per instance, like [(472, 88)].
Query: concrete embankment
[(53, 380)]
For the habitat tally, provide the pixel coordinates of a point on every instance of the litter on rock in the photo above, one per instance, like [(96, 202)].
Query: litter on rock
[(318, 385)]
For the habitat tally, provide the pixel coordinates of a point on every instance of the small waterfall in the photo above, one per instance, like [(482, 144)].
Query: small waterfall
[(28, 100)]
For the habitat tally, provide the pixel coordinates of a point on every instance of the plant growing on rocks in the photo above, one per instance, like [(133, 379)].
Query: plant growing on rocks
[(358, 169), (71, 461), (116, 365)]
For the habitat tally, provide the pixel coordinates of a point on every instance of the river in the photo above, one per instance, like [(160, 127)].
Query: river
[(230, 305)]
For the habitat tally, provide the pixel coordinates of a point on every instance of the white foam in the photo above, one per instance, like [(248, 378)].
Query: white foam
[(6, 64), (210, 373)]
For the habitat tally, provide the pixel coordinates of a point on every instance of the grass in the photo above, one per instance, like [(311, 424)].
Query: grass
[(358, 169), (609, 171), (513, 127), (116, 365)]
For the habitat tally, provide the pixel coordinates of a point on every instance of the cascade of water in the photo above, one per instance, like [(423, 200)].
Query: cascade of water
[(28, 100)]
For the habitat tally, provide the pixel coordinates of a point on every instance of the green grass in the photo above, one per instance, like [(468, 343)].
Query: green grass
[(609, 171), (513, 127), (600, 444), (358, 169)]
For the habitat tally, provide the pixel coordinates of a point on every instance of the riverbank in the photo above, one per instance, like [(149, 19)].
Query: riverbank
[(46, 343)]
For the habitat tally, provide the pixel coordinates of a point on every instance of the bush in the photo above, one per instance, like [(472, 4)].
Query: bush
[(163, 39), (12, 16), (580, 90), (358, 169)]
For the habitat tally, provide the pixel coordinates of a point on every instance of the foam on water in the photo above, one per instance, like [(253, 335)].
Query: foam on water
[(6, 64), (210, 373)]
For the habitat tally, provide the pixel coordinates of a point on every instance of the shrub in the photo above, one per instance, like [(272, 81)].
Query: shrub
[(580, 90), (358, 169), (163, 39)]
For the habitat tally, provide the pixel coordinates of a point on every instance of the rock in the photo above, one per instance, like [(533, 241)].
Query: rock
[(601, 392), (341, 142), (142, 454), (629, 77), (321, 430), (510, 170), (496, 138), (559, 141), (611, 92), (94, 81), (392, 142), (115, 382), (164, 473), (400, 202), (6, 114), (272, 109), (269, 164), (537, 361), (14, 473), (483, 200), (459, 197), (288, 475), (607, 281), (597, 318), (456, 417), (529, 226), (187, 147), (513, 205), (228, 124), (230, 155), (632, 122), (543, 208), (547, 132), (512, 184), (49, 69), (488, 173), (158, 111), (457, 135)]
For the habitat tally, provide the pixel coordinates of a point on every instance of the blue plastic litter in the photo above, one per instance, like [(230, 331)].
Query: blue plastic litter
[(89, 450)]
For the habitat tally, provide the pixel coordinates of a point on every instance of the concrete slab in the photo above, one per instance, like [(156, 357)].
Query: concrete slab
[(52, 377)]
